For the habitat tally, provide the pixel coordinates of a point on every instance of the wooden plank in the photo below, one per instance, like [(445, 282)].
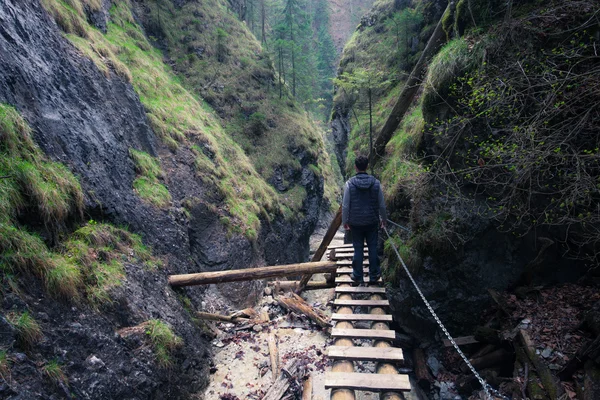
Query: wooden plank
[(341, 246), (344, 263), (281, 385), (369, 382), (273, 355), (360, 289), (365, 303), (348, 254), (348, 270), (249, 274), (461, 341), (364, 333), (331, 231), (390, 354), (361, 317), (346, 279)]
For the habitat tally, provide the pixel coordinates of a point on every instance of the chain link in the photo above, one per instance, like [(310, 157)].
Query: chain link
[(487, 388)]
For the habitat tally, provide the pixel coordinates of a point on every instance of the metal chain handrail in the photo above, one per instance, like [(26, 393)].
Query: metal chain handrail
[(486, 387), (399, 226)]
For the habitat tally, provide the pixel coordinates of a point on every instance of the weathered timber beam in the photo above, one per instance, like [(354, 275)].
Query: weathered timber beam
[(297, 304), (333, 227), (250, 274), (312, 285), (218, 317)]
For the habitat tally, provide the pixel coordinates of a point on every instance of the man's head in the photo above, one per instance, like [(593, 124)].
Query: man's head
[(361, 163)]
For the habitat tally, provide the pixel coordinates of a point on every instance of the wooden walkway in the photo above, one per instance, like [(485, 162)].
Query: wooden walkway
[(362, 337)]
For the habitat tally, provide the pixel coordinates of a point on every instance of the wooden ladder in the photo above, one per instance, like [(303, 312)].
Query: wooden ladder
[(342, 379)]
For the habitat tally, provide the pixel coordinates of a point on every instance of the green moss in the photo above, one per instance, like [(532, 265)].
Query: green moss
[(164, 341), (27, 328)]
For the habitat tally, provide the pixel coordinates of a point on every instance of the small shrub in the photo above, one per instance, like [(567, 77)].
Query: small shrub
[(28, 330), (164, 341)]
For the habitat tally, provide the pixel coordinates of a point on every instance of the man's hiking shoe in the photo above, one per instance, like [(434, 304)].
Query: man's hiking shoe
[(374, 278), (356, 281)]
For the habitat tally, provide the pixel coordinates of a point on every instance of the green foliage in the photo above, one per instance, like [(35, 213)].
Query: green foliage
[(409, 255), (31, 182), (164, 341), (27, 329), (146, 184), (4, 365), (521, 143), (54, 372)]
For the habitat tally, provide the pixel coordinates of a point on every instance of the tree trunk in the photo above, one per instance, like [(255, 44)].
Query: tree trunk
[(250, 274), (438, 38)]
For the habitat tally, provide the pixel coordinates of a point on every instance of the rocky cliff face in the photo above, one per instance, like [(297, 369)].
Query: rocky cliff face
[(89, 120)]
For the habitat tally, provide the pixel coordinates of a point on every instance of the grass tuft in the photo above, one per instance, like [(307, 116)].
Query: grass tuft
[(54, 371), (164, 341), (28, 330), (4, 366), (147, 185)]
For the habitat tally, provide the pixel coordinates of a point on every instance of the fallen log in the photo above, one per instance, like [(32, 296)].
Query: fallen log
[(422, 374), (307, 388), (552, 386), (281, 385), (312, 285), (273, 356), (297, 304), (485, 334), (333, 227), (460, 341), (249, 274), (591, 383), (219, 317), (245, 313), (492, 359), (585, 352)]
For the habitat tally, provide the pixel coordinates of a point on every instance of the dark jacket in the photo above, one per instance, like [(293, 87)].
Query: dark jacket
[(363, 202)]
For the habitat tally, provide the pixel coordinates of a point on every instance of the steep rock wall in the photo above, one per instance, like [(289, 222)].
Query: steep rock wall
[(89, 121)]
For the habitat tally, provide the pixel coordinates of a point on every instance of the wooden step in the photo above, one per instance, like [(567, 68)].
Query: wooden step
[(343, 263), (359, 289), (348, 270), (387, 354), (368, 382), (361, 317), (346, 279), (364, 303), (383, 334), (341, 246)]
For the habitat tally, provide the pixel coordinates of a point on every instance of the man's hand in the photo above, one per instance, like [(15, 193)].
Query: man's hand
[(347, 227), (383, 224)]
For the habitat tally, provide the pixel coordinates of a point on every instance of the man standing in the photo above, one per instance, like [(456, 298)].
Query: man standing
[(363, 212)]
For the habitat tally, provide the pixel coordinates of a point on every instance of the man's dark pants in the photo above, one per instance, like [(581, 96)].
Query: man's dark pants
[(359, 235)]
